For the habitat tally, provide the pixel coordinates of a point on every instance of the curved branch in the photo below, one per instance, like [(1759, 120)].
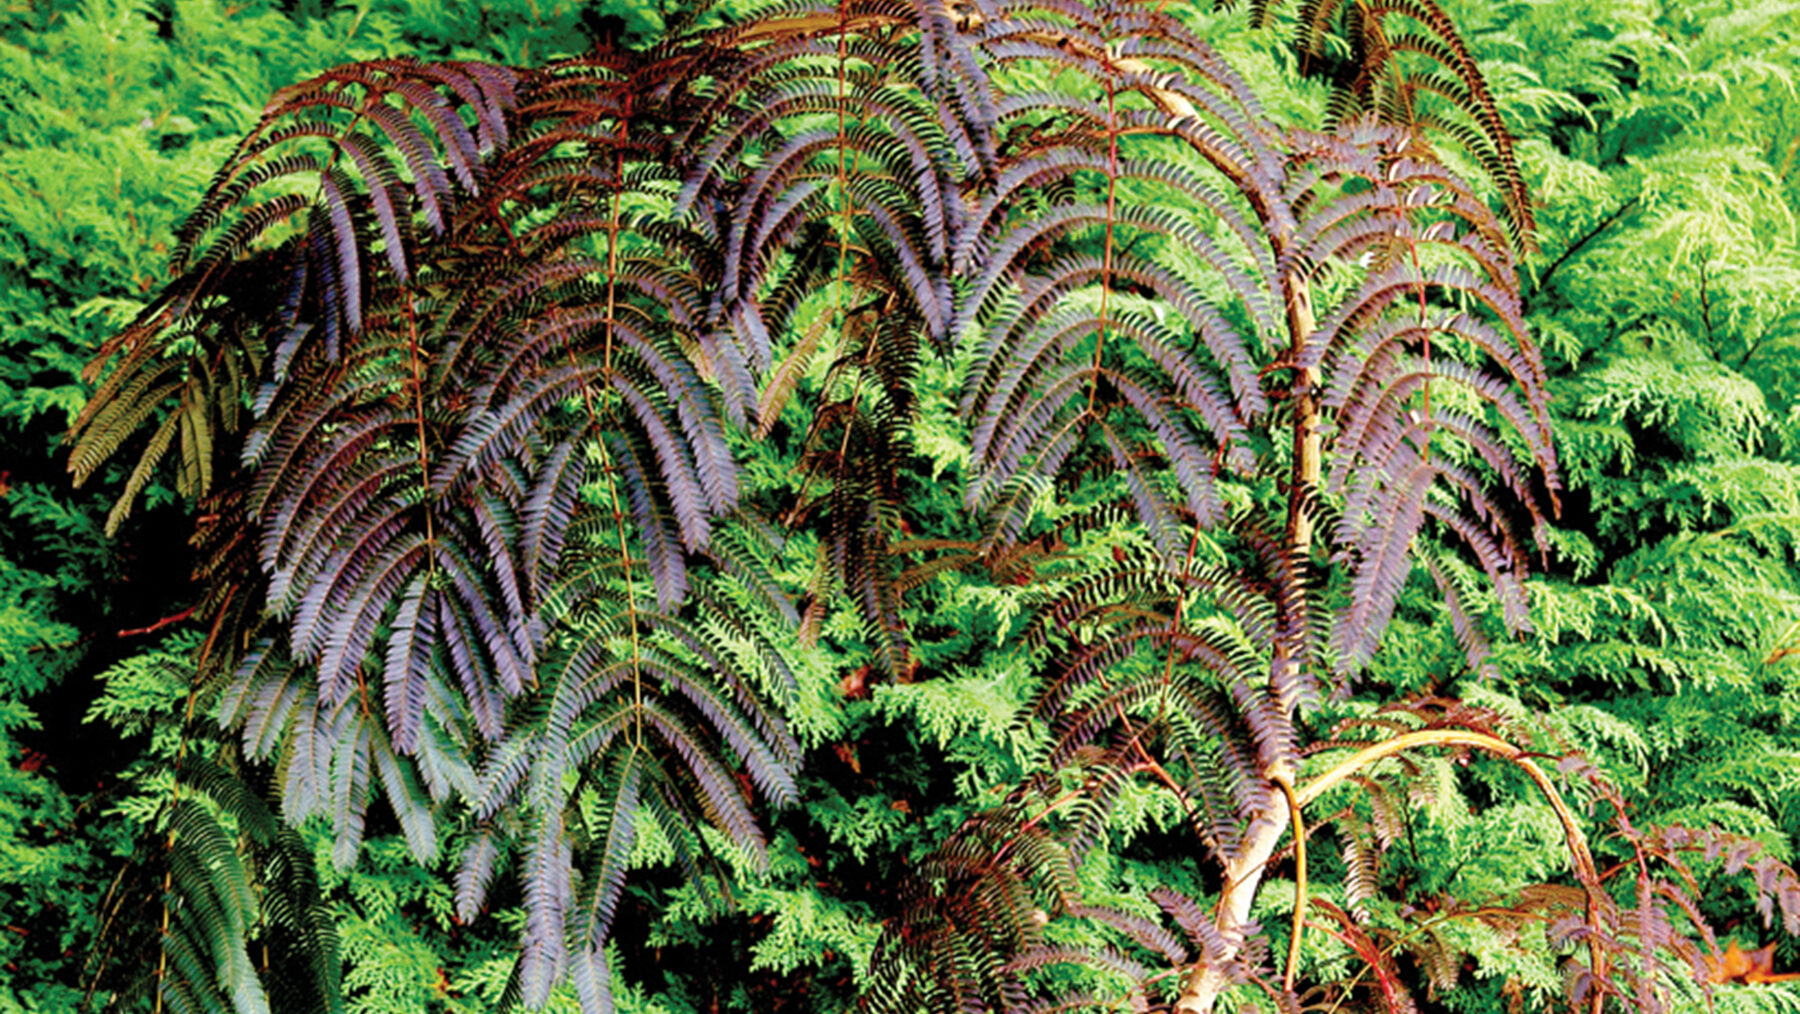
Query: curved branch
[(1583, 858), (1293, 960)]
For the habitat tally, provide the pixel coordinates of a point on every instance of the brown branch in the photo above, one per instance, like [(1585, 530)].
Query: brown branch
[(1574, 248), (159, 624), (1583, 859), (1298, 932)]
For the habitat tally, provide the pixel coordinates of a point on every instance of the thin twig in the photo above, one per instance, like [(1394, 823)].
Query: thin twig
[(1574, 248)]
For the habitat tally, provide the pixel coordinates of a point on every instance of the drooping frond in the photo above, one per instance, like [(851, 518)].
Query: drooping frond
[(646, 703), (829, 164), (234, 889), (490, 400), (1404, 62), (864, 116), (971, 908), (1092, 343), (1439, 368), (1174, 661), (329, 197), (1103, 350)]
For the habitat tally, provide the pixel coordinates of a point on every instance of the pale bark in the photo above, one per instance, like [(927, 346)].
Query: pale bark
[(1244, 869), (1208, 978)]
